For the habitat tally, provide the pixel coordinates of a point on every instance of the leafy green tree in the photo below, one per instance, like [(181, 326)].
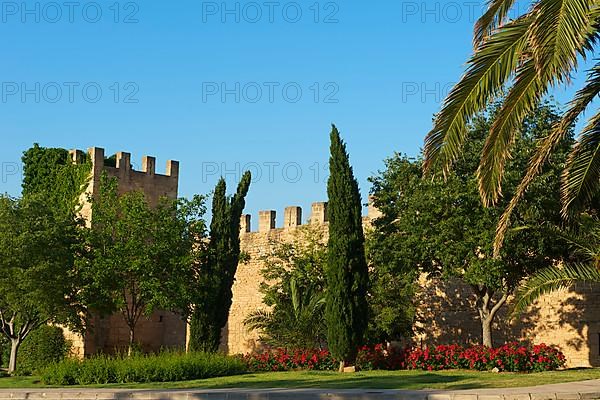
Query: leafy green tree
[(294, 290), (529, 54), (38, 280), (442, 229), (140, 257), (346, 310), (217, 272)]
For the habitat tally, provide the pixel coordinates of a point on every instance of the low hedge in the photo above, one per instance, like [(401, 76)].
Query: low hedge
[(512, 357), (164, 367)]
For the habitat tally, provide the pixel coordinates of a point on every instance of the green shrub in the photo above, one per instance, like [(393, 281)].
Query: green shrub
[(164, 367), (44, 346), (4, 351)]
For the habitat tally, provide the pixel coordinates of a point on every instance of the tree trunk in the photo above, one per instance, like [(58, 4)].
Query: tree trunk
[(487, 312), (14, 349), (486, 332), (131, 341)]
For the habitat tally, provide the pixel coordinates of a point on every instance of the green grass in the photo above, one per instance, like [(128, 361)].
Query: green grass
[(363, 380)]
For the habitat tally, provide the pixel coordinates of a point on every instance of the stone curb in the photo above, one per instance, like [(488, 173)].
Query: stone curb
[(587, 390)]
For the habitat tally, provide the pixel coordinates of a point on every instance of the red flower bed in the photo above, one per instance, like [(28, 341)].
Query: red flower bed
[(284, 360), (512, 357)]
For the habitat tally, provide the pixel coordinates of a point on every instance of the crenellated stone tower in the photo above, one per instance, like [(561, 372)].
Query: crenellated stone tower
[(153, 185), (162, 329)]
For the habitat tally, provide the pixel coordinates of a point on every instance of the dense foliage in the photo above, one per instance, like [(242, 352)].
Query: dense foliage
[(294, 291), (51, 173), (44, 346), (165, 367), (39, 283), (511, 357), (217, 273), (440, 227), (346, 308), (392, 287)]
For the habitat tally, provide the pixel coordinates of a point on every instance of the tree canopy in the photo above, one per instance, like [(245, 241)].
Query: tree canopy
[(440, 227)]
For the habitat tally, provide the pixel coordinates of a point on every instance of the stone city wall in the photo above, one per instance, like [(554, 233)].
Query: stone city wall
[(445, 313)]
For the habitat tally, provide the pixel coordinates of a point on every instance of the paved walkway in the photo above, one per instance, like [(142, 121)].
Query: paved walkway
[(587, 390)]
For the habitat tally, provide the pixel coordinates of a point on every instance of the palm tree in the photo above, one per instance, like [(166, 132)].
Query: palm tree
[(524, 57), (587, 269), (298, 323)]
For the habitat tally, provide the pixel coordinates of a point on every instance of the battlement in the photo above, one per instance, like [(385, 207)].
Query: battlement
[(154, 186), (292, 218), (123, 163)]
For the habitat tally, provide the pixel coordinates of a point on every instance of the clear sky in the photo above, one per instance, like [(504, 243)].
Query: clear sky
[(223, 85)]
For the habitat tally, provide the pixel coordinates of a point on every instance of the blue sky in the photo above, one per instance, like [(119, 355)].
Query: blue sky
[(223, 85)]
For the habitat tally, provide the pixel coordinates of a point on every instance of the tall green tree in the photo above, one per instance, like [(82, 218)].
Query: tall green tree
[(440, 227), (217, 272), (140, 257), (526, 55), (346, 310), (38, 279)]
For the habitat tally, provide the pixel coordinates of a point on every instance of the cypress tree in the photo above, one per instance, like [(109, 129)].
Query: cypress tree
[(347, 275), (218, 270)]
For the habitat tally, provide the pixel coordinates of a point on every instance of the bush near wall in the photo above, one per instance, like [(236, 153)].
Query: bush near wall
[(44, 346), (512, 357), (164, 367)]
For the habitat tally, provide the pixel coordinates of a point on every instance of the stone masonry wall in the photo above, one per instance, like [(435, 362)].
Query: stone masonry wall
[(445, 313)]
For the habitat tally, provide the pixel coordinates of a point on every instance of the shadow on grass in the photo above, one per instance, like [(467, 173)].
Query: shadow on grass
[(319, 380)]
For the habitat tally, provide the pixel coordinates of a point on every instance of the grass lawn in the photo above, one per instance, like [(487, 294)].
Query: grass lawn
[(362, 380)]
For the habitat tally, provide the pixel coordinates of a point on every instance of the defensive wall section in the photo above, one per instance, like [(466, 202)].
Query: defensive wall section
[(446, 310)]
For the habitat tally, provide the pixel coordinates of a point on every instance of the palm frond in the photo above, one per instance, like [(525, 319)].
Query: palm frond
[(494, 17), (522, 98), (488, 71), (552, 279), (581, 177), (579, 103), (258, 320), (558, 35)]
